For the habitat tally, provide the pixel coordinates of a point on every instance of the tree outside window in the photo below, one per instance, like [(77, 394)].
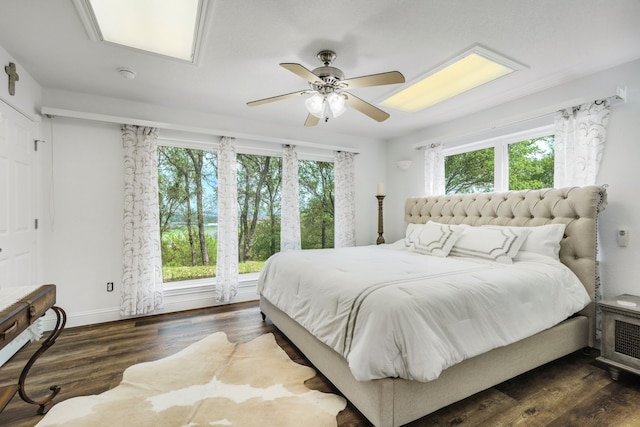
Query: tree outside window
[(528, 166), (470, 172), (188, 210)]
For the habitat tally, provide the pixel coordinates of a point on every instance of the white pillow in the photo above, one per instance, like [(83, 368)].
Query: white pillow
[(411, 234), (542, 240), (499, 245), (433, 238)]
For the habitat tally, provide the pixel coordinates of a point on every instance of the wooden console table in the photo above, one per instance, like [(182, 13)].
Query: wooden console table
[(15, 318)]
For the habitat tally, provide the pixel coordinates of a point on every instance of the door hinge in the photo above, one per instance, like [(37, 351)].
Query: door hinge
[(36, 223)]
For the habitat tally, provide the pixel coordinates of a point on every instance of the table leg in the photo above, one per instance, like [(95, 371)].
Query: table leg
[(45, 404)]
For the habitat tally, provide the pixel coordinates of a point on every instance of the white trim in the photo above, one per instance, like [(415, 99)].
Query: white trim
[(61, 112), (503, 139), (174, 301), (245, 147)]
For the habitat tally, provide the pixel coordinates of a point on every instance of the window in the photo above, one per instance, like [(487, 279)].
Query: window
[(515, 162), (469, 172), (316, 204), (259, 184), (531, 164), (188, 202), (259, 195), (187, 180)]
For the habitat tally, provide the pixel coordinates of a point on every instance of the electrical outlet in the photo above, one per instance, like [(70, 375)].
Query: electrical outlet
[(109, 286)]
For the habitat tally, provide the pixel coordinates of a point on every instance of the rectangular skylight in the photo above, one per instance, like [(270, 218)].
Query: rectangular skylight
[(473, 68), (164, 27)]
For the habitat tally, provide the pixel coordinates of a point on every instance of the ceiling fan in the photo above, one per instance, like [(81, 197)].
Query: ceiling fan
[(328, 90)]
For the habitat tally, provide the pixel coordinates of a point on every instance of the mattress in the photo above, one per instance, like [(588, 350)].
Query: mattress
[(395, 313)]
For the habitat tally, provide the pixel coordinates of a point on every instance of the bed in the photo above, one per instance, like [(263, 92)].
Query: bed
[(403, 396)]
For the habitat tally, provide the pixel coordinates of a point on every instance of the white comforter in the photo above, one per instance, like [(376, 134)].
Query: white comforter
[(395, 313)]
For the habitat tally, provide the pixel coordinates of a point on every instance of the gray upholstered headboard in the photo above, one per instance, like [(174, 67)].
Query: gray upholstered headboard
[(577, 207)]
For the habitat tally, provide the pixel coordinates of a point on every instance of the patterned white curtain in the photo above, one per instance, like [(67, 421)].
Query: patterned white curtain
[(290, 205), (345, 195), (433, 170), (142, 263), (227, 263), (580, 134)]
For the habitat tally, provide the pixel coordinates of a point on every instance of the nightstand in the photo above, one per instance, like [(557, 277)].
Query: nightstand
[(621, 334)]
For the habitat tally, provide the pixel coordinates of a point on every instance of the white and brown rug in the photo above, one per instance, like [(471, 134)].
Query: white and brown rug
[(210, 383)]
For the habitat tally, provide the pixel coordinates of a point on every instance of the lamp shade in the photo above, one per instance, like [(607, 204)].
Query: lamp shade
[(336, 104), (316, 105)]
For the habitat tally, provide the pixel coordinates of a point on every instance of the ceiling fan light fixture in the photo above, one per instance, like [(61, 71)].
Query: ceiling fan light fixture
[(316, 105), (337, 103), (327, 106)]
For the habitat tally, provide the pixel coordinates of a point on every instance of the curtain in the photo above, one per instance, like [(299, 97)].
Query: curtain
[(580, 134), (142, 262), (345, 206), (290, 209), (227, 262), (433, 170)]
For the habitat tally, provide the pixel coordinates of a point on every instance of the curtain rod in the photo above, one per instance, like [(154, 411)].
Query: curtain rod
[(60, 112), (619, 98)]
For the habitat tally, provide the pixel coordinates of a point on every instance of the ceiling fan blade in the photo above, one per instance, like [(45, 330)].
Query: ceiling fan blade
[(277, 98), (365, 108), (392, 77), (302, 72), (311, 120)]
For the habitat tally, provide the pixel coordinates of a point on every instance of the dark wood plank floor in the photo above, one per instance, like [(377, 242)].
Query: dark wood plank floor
[(572, 391)]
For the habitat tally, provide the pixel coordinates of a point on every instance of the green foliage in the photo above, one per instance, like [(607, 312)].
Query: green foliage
[(470, 172), (176, 249), (177, 274), (531, 164), (530, 167), (316, 204), (266, 241)]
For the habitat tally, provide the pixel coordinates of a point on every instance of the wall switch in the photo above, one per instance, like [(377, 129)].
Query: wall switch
[(109, 286), (623, 237)]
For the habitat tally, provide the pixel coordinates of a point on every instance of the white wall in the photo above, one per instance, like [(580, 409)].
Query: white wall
[(620, 167), (82, 225), (83, 201)]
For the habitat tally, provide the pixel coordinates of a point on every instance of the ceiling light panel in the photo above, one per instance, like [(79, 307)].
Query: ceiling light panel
[(164, 27), (473, 68)]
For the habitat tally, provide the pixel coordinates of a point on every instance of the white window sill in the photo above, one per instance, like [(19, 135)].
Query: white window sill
[(247, 283)]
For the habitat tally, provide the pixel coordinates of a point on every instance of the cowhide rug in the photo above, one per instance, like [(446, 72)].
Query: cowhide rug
[(210, 383)]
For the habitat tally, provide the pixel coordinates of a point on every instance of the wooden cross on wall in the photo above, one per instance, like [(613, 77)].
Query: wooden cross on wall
[(13, 77)]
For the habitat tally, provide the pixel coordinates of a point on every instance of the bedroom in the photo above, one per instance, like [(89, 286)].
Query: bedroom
[(81, 258)]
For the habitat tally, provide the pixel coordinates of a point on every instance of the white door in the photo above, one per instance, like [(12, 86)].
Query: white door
[(18, 174)]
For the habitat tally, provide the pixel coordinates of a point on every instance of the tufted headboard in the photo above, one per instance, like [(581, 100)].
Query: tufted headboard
[(577, 207)]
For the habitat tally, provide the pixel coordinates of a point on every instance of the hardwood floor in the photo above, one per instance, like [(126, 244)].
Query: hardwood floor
[(572, 391)]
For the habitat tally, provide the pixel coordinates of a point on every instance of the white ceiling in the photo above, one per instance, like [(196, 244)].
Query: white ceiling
[(245, 40)]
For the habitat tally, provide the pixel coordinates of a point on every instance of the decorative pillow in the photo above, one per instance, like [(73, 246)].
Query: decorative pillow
[(499, 245), (433, 238), (542, 240), (411, 235)]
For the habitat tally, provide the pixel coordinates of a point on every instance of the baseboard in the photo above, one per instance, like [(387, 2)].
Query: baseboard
[(174, 301)]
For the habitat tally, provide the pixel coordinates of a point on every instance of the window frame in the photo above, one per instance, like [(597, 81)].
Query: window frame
[(500, 145)]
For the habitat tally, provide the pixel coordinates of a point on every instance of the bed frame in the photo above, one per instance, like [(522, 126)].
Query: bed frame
[(392, 401)]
